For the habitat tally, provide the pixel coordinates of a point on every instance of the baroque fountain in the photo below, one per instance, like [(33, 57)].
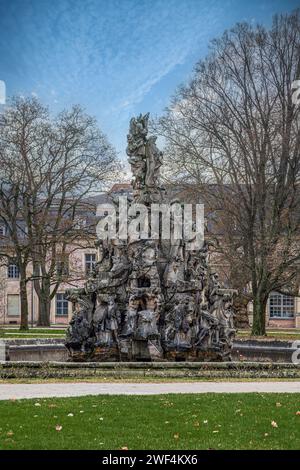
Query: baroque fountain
[(150, 299)]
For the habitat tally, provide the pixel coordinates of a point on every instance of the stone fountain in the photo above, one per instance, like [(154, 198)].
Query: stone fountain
[(150, 299)]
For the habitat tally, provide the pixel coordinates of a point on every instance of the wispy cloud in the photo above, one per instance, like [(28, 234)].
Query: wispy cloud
[(111, 56)]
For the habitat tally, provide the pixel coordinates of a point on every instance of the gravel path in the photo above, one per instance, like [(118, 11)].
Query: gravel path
[(43, 390)]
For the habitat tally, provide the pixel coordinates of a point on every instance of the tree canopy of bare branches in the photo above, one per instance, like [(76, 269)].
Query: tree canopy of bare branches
[(48, 168), (233, 134)]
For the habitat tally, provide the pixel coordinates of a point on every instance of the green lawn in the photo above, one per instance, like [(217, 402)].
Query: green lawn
[(33, 333), (6, 332), (287, 334), (212, 421)]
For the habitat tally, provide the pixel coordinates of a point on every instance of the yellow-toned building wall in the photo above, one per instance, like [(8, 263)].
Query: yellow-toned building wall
[(11, 287)]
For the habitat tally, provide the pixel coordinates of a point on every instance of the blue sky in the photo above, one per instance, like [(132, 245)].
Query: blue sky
[(115, 57)]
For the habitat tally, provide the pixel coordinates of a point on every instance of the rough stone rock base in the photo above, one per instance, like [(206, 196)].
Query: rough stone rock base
[(193, 355), (145, 350), (149, 371)]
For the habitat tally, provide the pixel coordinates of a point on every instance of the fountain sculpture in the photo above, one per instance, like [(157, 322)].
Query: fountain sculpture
[(150, 299)]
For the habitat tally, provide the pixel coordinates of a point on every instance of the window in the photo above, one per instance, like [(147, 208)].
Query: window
[(13, 305), (90, 261), (61, 304), (281, 306), (13, 271), (62, 267)]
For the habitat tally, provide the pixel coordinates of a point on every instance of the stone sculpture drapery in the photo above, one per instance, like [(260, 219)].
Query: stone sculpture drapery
[(150, 299)]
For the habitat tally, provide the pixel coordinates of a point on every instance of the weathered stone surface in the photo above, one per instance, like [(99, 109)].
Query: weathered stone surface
[(267, 350), (150, 299), (164, 370), (240, 308)]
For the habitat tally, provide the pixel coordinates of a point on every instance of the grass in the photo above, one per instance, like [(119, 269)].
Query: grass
[(211, 421), (6, 332), (32, 333), (30, 336), (143, 379), (271, 335)]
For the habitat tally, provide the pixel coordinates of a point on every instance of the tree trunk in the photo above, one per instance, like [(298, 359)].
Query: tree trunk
[(44, 303), (44, 312), (24, 302), (259, 314)]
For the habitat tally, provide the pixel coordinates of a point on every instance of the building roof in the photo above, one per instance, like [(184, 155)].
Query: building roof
[(120, 187)]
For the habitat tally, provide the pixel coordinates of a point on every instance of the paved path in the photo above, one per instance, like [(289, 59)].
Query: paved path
[(43, 390)]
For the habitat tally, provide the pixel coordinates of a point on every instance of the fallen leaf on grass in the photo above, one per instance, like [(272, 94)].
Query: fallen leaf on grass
[(297, 413), (176, 435), (124, 448), (274, 424), (58, 427), (70, 414), (9, 433), (278, 404)]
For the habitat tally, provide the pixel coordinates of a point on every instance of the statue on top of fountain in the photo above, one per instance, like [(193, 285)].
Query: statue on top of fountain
[(145, 160)]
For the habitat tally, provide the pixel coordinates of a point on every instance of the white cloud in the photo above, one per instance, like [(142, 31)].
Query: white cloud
[(2, 92)]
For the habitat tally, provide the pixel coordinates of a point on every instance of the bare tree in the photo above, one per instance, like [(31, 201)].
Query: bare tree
[(48, 168), (233, 133)]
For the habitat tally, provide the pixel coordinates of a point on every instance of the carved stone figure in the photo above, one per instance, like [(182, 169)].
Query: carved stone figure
[(154, 162), (137, 137), (136, 149), (107, 319), (130, 323), (146, 325), (78, 336)]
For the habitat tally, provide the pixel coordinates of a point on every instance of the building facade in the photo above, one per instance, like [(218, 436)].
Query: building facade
[(79, 263), (282, 311), (73, 269)]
